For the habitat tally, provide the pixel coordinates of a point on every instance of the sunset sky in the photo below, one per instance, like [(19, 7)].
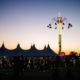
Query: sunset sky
[(25, 21)]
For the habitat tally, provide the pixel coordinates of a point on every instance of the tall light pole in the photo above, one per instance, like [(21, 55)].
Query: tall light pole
[(59, 22)]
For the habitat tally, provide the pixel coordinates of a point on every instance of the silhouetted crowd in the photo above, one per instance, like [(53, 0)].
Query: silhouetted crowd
[(39, 63), (21, 64)]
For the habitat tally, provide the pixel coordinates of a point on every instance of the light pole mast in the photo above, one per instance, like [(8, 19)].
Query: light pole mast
[(59, 22), (60, 38)]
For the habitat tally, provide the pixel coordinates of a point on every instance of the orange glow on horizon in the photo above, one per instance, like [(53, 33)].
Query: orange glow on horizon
[(25, 47)]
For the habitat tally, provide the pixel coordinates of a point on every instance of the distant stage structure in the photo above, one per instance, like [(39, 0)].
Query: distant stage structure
[(59, 23)]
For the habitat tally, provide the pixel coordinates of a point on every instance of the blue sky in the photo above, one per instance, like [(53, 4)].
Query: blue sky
[(25, 21)]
